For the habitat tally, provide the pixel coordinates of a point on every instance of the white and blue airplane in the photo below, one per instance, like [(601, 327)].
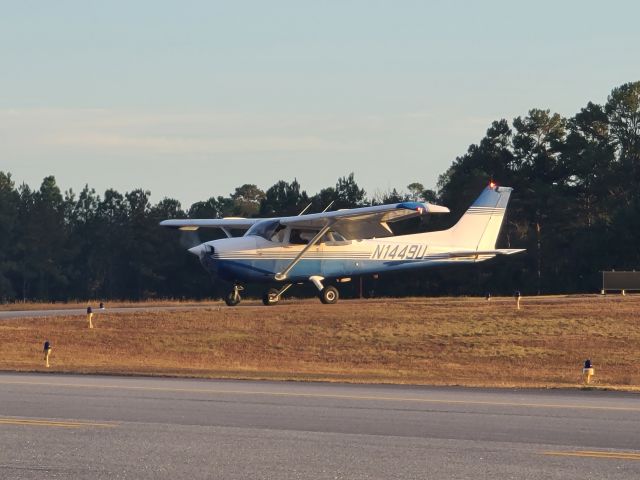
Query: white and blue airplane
[(331, 247)]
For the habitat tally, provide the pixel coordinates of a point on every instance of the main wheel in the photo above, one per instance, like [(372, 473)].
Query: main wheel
[(232, 299), (329, 295), (270, 297)]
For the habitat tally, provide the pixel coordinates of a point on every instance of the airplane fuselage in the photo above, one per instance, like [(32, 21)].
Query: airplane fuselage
[(256, 260)]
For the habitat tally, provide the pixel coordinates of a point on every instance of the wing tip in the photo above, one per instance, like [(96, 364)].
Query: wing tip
[(423, 208)]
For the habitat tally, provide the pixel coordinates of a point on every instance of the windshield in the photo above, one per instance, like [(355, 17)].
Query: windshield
[(266, 229)]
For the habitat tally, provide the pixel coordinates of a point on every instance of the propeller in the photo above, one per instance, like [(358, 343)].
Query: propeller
[(189, 238)]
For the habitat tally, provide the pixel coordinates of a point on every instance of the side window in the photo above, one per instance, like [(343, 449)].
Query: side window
[(301, 237), (332, 237), (278, 235)]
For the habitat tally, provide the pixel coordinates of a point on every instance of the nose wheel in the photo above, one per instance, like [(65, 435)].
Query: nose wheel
[(233, 297), (270, 297), (273, 295)]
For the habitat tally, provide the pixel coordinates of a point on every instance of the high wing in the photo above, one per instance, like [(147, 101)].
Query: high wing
[(233, 223), (352, 223), (364, 222)]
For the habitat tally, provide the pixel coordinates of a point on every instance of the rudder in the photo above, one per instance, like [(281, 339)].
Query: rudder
[(479, 227)]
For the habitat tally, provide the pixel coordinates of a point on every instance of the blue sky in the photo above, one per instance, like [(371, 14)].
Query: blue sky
[(191, 99)]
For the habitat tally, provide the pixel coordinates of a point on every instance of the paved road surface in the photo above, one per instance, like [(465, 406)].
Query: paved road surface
[(7, 314), (91, 427)]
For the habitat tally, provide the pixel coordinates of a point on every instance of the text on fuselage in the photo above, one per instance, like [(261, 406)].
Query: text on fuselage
[(399, 252)]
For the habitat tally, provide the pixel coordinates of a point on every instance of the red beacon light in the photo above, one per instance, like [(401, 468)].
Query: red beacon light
[(492, 185)]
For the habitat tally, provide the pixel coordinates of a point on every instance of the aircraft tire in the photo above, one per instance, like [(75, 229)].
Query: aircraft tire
[(329, 295), (270, 297), (232, 299)]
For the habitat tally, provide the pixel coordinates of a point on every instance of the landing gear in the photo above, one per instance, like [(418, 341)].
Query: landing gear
[(329, 295), (273, 295), (270, 297), (233, 297)]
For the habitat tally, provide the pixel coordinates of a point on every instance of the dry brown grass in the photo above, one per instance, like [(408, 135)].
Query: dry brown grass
[(440, 341)]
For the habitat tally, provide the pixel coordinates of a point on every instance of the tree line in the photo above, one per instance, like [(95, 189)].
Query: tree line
[(575, 208)]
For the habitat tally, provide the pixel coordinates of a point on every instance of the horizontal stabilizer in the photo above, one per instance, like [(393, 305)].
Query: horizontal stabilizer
[(476, 253)]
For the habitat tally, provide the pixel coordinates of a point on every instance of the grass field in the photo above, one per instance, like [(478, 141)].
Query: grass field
[(438, 341)]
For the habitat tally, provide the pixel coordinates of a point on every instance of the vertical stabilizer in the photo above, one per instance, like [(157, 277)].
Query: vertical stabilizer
[(480, 225)]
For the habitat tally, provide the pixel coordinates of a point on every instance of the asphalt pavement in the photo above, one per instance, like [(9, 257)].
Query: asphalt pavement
[(9, 314), (93, 427)]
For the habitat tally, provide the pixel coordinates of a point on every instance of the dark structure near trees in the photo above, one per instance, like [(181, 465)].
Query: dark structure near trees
[(620, 281)]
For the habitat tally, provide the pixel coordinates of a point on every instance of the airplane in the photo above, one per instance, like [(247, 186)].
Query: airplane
[(331, 247)]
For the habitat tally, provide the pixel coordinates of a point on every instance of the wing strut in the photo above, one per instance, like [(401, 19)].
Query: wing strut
[(328, 206), (283, 274)]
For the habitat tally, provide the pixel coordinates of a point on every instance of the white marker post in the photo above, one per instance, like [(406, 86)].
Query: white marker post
[(47, 352), (587, 372)]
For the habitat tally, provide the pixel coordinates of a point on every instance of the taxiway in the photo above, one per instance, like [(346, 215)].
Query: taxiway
[(94, 427)]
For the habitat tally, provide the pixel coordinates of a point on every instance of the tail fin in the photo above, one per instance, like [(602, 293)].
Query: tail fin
[(479, 227)]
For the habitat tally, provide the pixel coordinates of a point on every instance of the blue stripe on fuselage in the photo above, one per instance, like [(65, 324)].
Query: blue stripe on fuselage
[(262, 271)]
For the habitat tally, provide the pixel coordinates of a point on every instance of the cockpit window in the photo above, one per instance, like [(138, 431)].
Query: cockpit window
[(333, 237), (274, 231), (269, 230), (304, 236), (278, 235), (301, 237)]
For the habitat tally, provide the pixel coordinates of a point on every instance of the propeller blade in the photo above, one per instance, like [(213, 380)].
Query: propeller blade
[(189, 238)]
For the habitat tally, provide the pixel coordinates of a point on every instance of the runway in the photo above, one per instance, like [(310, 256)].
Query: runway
[(155, 428), (10, 314)]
